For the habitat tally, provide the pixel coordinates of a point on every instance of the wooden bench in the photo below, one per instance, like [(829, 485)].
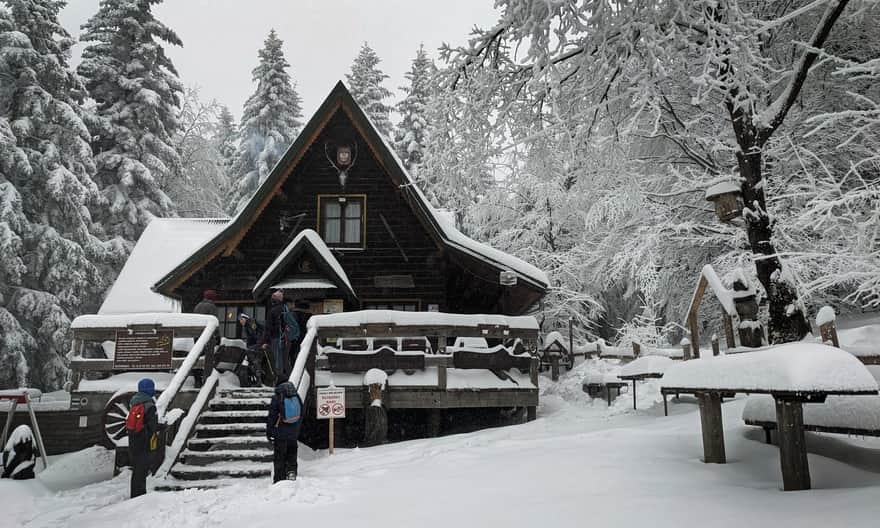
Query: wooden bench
[(595, 389), (838, 415), (385, 358)]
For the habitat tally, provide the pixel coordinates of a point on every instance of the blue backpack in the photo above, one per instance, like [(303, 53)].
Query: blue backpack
[(289, 327), (291, 409)]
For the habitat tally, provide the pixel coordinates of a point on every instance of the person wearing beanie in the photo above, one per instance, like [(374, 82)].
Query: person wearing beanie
[(207, 306), (272, 335), (252, 331), (143, 428)]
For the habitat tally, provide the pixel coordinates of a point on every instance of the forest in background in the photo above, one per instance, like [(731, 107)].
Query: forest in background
[(579, 136)]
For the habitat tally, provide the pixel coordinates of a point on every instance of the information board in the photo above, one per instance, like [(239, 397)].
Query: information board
[(147, 350), (331, 403)]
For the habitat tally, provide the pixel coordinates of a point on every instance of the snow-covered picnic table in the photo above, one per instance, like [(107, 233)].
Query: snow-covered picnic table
[(643, 368), (793, 374)]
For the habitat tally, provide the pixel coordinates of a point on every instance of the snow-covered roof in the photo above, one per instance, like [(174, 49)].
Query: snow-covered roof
[(164, 244), (646, 365), (723, 187), (555, 337), (303, 284), (794, 367), (346, 319), (724, 295), (310, 238)]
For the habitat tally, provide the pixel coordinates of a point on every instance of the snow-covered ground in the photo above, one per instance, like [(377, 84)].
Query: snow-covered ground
[(581, 463)]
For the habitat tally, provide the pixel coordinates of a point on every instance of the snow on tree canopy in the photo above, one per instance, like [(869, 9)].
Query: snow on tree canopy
[(646, 365), (801, 366), (365, 83), (163, 245), (826, 315)]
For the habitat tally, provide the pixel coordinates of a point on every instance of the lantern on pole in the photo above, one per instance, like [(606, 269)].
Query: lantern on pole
[(727, 197)]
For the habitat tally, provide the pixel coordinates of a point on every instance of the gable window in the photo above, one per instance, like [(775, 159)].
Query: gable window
[(342, 220)]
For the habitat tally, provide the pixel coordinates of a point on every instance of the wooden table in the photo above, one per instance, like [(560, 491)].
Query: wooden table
[(591, 388), (639, 377), (789, 419)]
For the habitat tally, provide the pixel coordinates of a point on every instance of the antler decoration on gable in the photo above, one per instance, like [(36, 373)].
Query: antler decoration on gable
[(345, 157)]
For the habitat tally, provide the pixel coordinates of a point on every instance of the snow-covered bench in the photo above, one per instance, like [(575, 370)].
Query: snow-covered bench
[(645, 367), (793, 374), (597, 383)]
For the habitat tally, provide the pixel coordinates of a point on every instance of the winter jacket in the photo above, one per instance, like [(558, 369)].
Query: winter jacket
[(206, 307), (253, 332), (275, 428), (273, 322), (139, 443)]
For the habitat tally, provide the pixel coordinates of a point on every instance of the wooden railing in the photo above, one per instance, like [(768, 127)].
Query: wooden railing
[(187, 425)]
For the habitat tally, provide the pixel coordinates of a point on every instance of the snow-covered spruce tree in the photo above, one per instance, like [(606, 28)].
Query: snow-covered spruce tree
[(137, 94), (201, 186), (51, 263), (365, 83), (270, 121), (226, 138), (410, 136)]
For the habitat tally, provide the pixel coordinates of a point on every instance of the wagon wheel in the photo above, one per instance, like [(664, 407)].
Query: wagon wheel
[(113, 419)]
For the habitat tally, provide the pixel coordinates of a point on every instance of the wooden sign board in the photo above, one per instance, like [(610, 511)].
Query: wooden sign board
[(144, 350), (332, 306), (331, 403)]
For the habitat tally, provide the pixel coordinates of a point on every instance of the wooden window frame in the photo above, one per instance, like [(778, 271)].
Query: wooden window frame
[(362, 198), (416, 302)]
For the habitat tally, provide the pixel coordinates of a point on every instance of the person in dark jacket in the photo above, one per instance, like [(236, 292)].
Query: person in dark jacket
[(272, 334), (142, 443), (206, 306), (282, 429), (252, 331)]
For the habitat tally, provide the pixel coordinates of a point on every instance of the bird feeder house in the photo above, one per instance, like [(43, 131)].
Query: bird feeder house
[(727, 198)]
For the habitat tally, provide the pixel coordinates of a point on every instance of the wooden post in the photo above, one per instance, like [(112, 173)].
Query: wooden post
[(533, 371), (685, 349), (441, 343), (829, 333), (713, 429), (792, 445), (554, 366), (729, 335), (634, 396), (331, 435), (531, 413), (37, 434), (665, 406), (637, 350), (441, 376), (716, 347)]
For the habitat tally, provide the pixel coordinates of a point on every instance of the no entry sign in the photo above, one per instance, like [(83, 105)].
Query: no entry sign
[(331, 403)]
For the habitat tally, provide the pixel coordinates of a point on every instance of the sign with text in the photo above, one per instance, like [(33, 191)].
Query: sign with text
[(331, 403), (144, 350)]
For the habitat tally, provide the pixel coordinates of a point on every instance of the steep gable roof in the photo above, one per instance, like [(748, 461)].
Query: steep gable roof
[(225, 242), (306, 241)]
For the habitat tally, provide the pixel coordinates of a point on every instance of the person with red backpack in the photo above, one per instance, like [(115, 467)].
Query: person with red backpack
[(142, 425), (282, 429)]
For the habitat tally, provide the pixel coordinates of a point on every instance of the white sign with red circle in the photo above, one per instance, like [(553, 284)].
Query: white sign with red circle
[(331, 403)]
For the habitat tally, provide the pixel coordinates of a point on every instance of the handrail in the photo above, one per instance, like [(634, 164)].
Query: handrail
[(189, 362), (299, 376), (188, 423)]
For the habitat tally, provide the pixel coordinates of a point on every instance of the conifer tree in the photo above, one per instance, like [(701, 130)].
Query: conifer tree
[(270, 121), (365, 84), (138, 94), (50, 258), (226, 138), (410, 137)]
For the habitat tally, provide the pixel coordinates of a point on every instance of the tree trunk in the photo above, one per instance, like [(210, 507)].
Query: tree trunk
[(787, 320)]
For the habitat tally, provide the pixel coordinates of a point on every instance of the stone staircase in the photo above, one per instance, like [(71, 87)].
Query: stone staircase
[(229, 443)]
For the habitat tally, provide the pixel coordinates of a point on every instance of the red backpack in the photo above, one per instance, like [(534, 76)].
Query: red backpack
[(135, 421)]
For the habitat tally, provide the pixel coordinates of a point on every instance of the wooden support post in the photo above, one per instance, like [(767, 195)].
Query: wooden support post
[(441, 343), (729, 335), (634, 396), (716, 347), (533, 371), (685, 350), (792, 445), (554, 366), (331, 435), (768, 438), (571, 340), (637, 350), (665, 406), (36, 427), (436, 419), (713, 429), (531, 413), (9, 416), (829, 333), (441, 376)]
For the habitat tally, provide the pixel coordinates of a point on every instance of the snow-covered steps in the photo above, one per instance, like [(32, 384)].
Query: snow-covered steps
[(201, 458), (221, 470), (227, 443), (206, 430), (225, 417)]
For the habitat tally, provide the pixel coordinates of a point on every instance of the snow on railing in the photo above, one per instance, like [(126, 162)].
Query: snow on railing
[(187, 424), (299, 376), (167, 396)]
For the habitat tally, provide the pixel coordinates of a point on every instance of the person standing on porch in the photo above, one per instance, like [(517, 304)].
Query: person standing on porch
[(272, 334), (206, 306)]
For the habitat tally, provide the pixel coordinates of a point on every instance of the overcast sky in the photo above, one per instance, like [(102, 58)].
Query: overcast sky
[(321, 38)]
